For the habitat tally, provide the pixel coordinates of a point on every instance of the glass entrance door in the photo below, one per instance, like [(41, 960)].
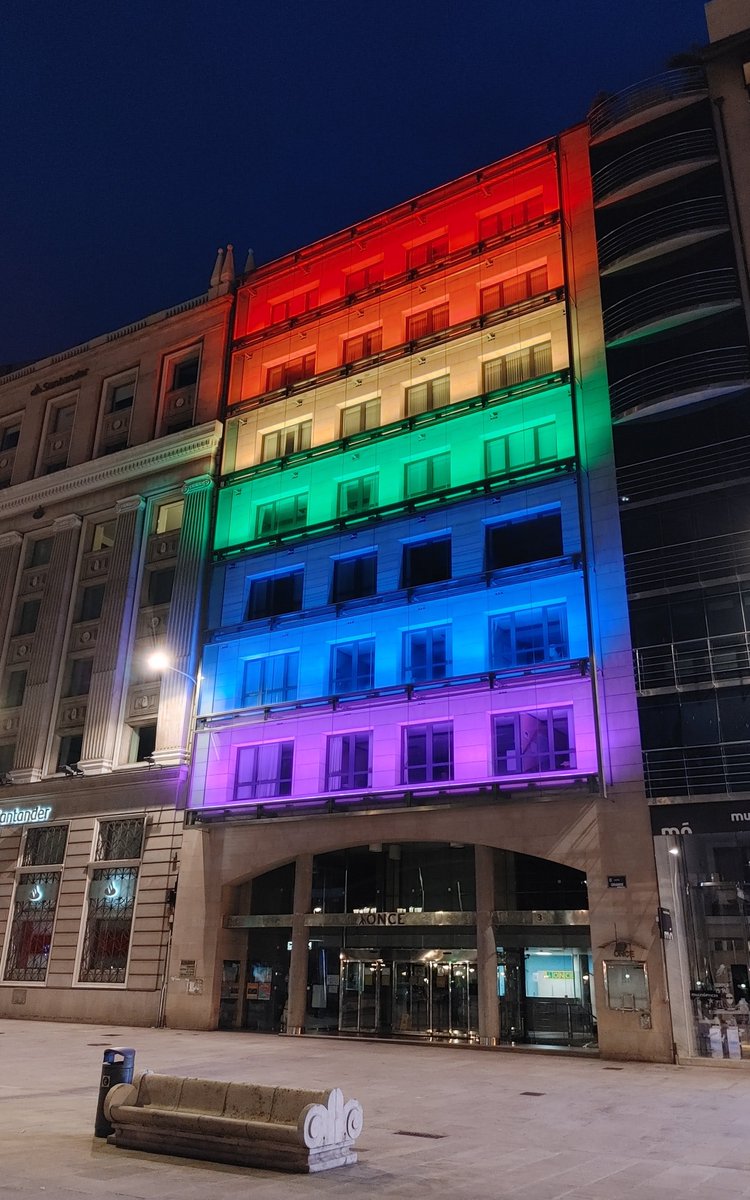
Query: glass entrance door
[(359, 1010), (435, 999)]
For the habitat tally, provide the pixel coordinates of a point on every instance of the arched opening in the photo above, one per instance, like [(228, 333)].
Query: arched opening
[(396, 940)]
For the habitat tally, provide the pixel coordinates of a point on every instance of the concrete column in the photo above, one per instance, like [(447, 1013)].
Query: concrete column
[(177, 694), (193, 1003), (41, 680), (489, 1011), (297, 999), (113, 640)]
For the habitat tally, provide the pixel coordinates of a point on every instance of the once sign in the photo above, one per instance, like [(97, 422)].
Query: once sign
[(381, 918)]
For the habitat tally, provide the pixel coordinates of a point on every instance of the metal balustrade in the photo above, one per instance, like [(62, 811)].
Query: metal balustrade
[(655, 159), (719, 659), (692, 293), (662, 226), (670, 88), (710, 371), (697, 770), (707, 559), (721, 463)]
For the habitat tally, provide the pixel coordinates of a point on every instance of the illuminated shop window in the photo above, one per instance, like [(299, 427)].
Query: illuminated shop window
[(517, 367), (427, 654), (357, 495), (513, 289), (427, 561), (354, 577), (34, 904), (428, 753), (363, 345), (110, 902), (426, 252), (511, 217), (520, 448), (529, 636), (275, 594), (528, 743), (349, 762), (524, 539), (288, 373), (359, 417), (264, 771), (282, 515), (271, 680), (423, 397), (290, 440), (427, 475), (353, 667), (430, 320)]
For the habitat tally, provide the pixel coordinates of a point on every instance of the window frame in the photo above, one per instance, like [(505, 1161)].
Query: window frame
[(431, 730), (100, 867), (284, 783), (365, 490), (548, 716), (25, 872), (512, 618), (362, 651), (353, 558), (428, 672), (347, 775)]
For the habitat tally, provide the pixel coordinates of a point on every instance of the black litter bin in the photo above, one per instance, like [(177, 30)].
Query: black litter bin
[(117, 1067)]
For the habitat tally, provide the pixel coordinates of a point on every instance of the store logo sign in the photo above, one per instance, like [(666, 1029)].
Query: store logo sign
[(25, 816), (381, 918)]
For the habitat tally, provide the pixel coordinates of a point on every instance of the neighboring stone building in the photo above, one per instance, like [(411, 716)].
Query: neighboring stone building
[(106, 462)]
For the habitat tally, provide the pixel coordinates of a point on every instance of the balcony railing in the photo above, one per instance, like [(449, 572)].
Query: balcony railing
[(721, 463), (674, 223), (726, 556), (671, 89), (648, 164), (698, 770), (717, 659), (694, 295), (712, 372)]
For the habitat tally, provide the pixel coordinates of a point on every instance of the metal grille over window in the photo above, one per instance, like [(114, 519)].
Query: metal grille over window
[(34, 905), (119, 839), (109, 918), (44, 846)]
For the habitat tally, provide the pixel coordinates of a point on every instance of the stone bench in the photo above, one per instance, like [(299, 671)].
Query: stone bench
[(287, 1129)]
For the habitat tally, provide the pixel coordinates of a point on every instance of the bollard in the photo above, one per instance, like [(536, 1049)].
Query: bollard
[(117, 1067)]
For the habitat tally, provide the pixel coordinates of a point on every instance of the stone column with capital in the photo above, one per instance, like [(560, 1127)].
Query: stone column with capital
[(177, 695), (112, 641), (41, 679), (10, 554)]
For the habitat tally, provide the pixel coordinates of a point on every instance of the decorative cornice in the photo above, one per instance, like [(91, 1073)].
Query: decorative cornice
[(134, 463), (63, 524), (130, 504), (200, 483)]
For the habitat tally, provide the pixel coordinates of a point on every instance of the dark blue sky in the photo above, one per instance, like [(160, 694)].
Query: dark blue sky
[(137, 137)]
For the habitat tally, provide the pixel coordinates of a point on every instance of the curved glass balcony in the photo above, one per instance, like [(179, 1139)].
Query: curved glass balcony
[(645, 101), (655, 163), (662, 232), (680, 381), (666, 305)]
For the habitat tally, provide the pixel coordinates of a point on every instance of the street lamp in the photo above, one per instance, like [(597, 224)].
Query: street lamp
[(159, 661)]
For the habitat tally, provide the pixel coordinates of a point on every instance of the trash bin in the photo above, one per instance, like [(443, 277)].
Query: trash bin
[(117, 1067)]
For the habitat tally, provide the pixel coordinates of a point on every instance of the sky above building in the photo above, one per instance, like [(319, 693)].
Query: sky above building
[(139, 137)]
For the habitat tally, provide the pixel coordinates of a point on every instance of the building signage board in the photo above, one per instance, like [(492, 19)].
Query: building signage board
[(617, 881), (26, 816), (681, 820)]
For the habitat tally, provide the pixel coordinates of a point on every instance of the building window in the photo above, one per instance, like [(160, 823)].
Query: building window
[(511, 217), (103, 536), (427, 654), (290, 440), (7, 757), (79, 677), (357, 495), (69, 750), (282, 515), (13, 689), (120, 396), (10, 432), (185, 372), (28, 616), (359, 417), (35, 904), (363, 345), (264, 771), (521, 448), (430, 320), (513, 290), (529, 636), (90, 602), (426, 562), (142, 742), (169, 516), (524, 539), (353, 667), (179, 400), (531, 743), (293, 306), (428, 753), (159, 585), (40, 552), (56, 444), (288, 373), (271, 680), (517, 367), (111, 903), (423, 397), (426, 252), (355, 577), (348, 762), (431, 474), (363, 277), (275, 594)]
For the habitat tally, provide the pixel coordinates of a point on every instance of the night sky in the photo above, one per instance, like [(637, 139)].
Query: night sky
[(139, 136)]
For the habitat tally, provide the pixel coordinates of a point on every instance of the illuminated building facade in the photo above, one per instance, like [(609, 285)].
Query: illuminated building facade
[(106, 463), (416, 804)]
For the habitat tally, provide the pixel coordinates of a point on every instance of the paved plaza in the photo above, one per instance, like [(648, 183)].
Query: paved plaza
[(493, 1124)]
